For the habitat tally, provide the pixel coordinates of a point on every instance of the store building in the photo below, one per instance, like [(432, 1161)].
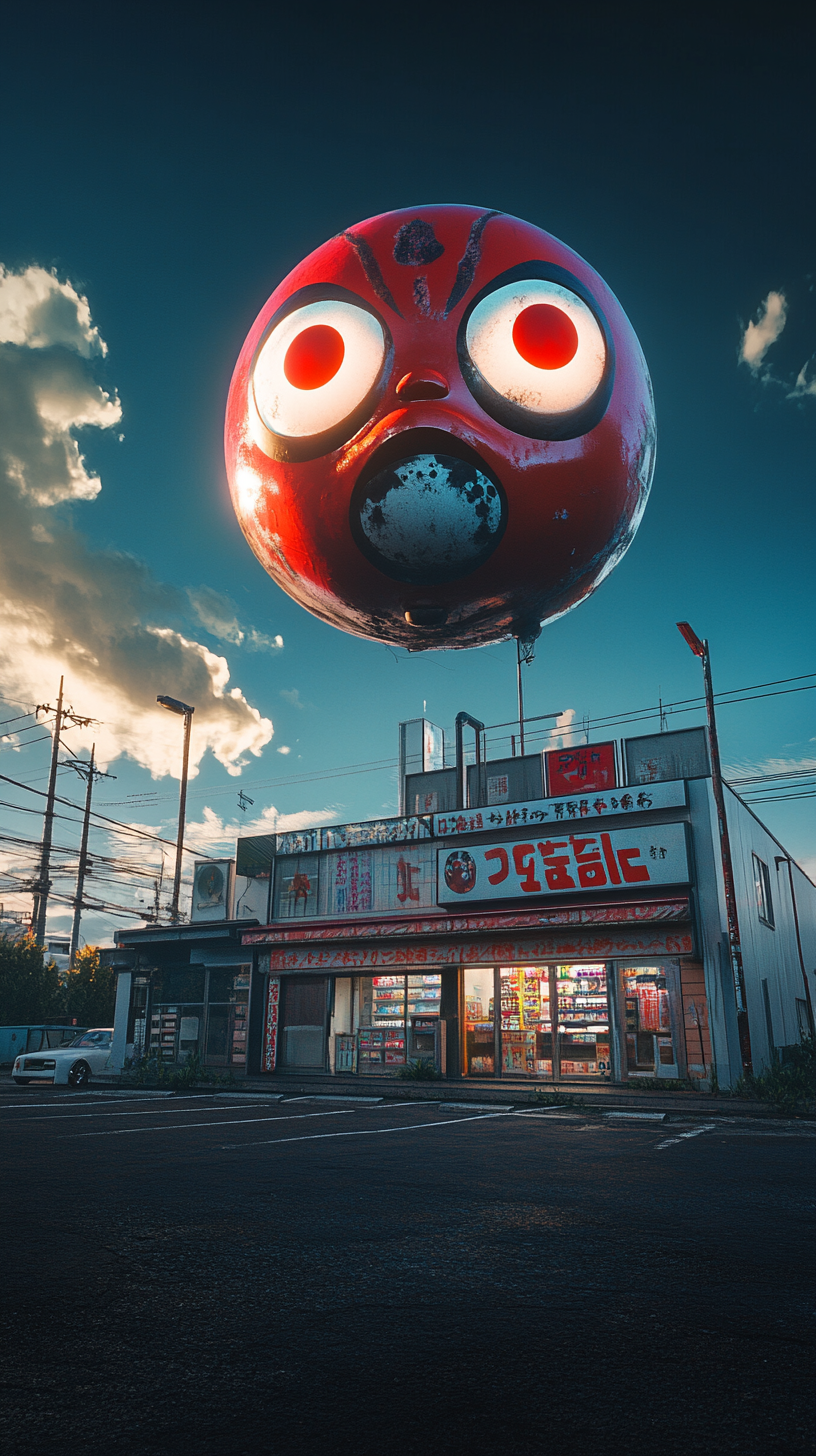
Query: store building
[(568, 925)]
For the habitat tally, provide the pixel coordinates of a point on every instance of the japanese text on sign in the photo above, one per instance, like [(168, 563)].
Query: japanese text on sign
[(564, 863), (562, 810)]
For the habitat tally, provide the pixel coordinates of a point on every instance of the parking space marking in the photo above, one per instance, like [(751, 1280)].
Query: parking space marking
[(695, 1132), (222, 1122), (361, 1132), (106, 1102), (143, 1112)]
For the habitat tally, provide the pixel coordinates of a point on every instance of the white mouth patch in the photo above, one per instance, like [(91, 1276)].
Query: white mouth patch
[(431, 518)]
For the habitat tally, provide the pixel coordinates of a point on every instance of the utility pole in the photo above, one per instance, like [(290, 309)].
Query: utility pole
[(42, 884), (84, 867), (700, 649)]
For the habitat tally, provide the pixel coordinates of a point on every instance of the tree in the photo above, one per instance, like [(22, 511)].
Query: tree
[(90, 990), (30, 990)]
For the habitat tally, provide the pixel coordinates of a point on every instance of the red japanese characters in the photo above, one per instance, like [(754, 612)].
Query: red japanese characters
[(440, 429)]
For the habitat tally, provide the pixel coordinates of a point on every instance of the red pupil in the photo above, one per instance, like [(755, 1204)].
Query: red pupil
[(314, 357), (545, 337)]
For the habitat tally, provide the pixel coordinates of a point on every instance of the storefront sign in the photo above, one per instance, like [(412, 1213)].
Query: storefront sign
[(270, 1048), (565, 863), (562, 810), (476, 922), (601, 945), (346, 836), (581, 770)]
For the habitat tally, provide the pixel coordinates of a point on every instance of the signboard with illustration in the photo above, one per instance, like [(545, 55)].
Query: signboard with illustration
[(581, 770), (563, 863)]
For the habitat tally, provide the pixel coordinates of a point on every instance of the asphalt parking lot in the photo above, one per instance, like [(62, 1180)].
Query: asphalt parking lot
[(220, 1275)]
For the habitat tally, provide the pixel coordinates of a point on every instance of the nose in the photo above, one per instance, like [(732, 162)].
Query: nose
[(422, 384)]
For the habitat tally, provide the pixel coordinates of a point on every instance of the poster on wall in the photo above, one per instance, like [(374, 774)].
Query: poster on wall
[(296, 886), (351, 882), (270, 1051), (581, 770), (581, 862)]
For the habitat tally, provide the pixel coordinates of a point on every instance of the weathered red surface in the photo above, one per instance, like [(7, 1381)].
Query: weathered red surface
[(528, 950), (642, 913), (572, 504)]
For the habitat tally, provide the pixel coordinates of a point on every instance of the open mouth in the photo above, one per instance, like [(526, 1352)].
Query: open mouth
[(426, 509)]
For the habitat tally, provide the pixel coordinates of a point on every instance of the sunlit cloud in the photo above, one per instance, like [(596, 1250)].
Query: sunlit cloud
[(763, 331), (98, 617)]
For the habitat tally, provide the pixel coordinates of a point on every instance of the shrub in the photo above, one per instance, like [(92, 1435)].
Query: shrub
[(422, 1069), (90, 989), (790, 1084), (30, 990)]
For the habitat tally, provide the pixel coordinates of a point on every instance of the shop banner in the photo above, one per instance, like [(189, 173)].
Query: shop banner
[(581, 861), (270, 1047), (602, 945), (560, 811), (581, 770)]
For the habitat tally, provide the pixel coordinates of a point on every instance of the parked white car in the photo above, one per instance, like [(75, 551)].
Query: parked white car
[(73, 1064)]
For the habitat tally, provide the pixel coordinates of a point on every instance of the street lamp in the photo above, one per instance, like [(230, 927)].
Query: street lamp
[(700, 649), (186, 712)]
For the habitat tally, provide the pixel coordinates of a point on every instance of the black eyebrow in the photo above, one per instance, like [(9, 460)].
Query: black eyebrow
[(469, 260), (372, 270)]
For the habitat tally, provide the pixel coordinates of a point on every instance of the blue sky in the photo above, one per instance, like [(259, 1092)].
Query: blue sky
[(171, 171)]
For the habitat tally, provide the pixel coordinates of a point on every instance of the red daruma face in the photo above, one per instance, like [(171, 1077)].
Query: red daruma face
[(440, 430)]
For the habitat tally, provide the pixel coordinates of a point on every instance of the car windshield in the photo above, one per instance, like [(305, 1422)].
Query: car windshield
[(91, 1039)]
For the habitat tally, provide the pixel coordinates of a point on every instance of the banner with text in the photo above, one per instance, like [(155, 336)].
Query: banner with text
[(561, 811), (564, 863)]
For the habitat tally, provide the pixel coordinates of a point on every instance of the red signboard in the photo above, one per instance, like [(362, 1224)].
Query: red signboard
[(581, 770)]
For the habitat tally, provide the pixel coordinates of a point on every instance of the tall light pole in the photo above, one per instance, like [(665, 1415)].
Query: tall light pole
[(186, 712), (700, 649)]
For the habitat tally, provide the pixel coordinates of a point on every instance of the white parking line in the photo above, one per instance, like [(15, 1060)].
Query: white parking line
[(363, 1132), (695, 1132), (224, 1122), (107, 1102), (147, 1112)]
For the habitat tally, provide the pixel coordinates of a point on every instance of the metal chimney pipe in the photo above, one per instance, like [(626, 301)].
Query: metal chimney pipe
[(461, 770)]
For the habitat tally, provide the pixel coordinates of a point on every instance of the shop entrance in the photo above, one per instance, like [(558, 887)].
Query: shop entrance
[(303, 1022), (555, 1021), (649, 998), (529, 1040)]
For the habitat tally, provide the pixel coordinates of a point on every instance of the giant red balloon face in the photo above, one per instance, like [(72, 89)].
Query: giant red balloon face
[(440, 429)]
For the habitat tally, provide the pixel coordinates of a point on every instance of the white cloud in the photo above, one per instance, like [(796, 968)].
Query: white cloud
[(284, 748), (219, 616), (38, 311), (98, 617), (564, 735), (214, 834), (292, 697), (803, 385), (761, 334)]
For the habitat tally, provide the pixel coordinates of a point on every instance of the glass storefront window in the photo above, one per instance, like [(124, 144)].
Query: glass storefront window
[(526, 1026), (583, 1021), (479, 1022), (383, 1014), (228, 998), (650, 1049), (581, 1047), (175, 1031)]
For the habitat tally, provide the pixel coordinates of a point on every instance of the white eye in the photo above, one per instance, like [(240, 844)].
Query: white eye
[(538, 346), (315, 370)]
